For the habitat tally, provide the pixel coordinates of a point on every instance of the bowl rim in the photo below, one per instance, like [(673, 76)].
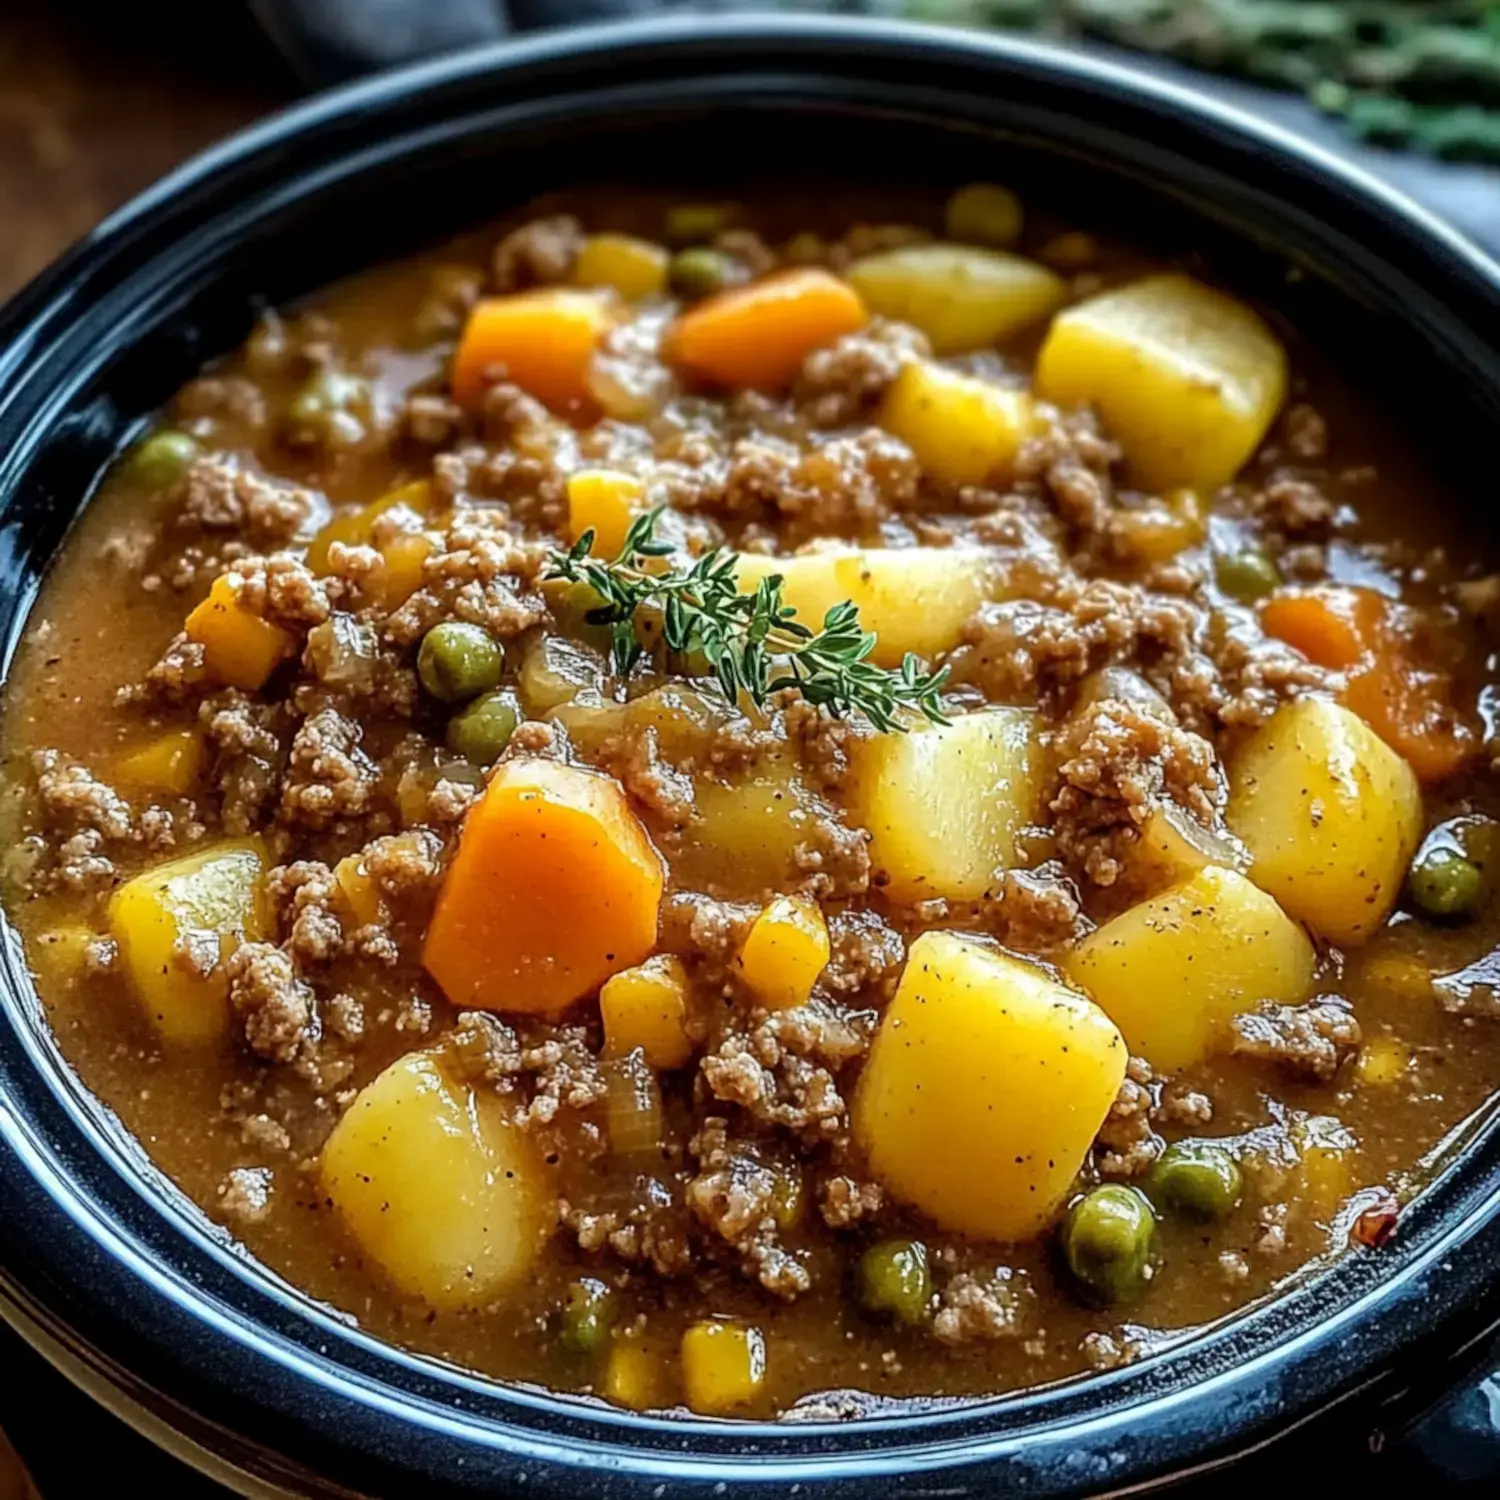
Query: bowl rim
[(1075, 1436)]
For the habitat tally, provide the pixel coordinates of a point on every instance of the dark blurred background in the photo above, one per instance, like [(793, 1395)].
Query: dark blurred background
[(98, 98)]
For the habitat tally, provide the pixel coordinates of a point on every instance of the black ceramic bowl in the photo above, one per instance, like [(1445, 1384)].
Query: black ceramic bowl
[(128, 1286)]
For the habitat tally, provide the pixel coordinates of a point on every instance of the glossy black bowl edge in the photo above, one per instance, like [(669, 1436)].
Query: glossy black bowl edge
[(90, 1274)]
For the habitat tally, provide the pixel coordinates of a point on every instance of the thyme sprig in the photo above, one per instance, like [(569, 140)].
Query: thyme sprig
[(753, 643)]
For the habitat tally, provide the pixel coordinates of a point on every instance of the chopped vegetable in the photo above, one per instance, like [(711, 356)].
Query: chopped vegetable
[(587, 1316), (1384, 1060), (984, 1089), (405, 557), (605, 502), (160, 458), (634, 268), (959, 296), (1198, 1178), (170, 763), (1445, 885), (632, 1111), (1173, 971), (947, 805), (786, 949), (202, 904), (1107, 1242), (555, 671), (755, 337), (356, 528), (723, 1366), (1330, 814), (1160, 529), (701, 272), (1173, 846), (745, 833), (1246, 575), (1186, 379), (646, 1008), (983, 213), (458, 661), (696, 223), (555, 887), (542, 340), (892, 1279), (437, 1186), (240, 648), (638, 1375), (963, 430), (480, 731)]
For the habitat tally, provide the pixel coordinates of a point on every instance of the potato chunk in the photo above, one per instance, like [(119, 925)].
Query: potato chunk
[(946, 803), (962, 430), (1173, 971), (1185, 378), (646, 1008), (984, 1088), (239, 647), (723, 1365), (960, 296), (1331, 816), (914, 599), (436, 1185), (785, 950), (176, 924)]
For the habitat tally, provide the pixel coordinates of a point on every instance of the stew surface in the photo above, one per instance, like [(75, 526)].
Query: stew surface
[(435, 839)]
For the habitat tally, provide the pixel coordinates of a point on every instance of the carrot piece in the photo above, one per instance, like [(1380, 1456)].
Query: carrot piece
[(757, 336), (1354, 631), (555, 887), (543, 339)]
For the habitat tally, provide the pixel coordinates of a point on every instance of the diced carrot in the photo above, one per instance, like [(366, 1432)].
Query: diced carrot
[(543, 340), (239, 647), (757, 336), (555, 887), (1354, 631)]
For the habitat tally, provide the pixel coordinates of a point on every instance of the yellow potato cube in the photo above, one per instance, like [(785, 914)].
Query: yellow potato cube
[(176, 924), (1383, 1060), (605, 502), (744, 835), (960, 296), (355, 528), (239, 647), (635, 268), (723, 1366), (913, 599), (1174, 845), (405, 556), (946, 804), (1157, 532), (638, 1374), (784, 952), (963, 430), (1173, 971), (645, 1007), (984, 1089), (170, 763), (1331, 816), (437, 1186), (1186, 379)]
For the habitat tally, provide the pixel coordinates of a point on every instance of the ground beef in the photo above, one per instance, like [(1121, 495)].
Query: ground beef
[(834, 860), (840, 384), (430, 420), (275, 1008), (245, 1194), (537, 253), (1295, 508), (844, 1202), (1311, 1041), (977, 1306), (1035, 911), (73, 800), (281, 588), (304, 898), (1116, 760), (652, 1228), (1127, 1144), (219, 493), (1306, 433), (866, 956), (329, 778)]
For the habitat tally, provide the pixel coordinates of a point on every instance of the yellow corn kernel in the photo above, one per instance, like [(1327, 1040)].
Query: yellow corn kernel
[(1383, 1060), (57, 956), (785, 951), (354, 529), (634, 268), (171, 763), (723, 1365), (358, 889), (636, 1375), (645, 1008), (605, 502), (1159, 531), (405, 556), (239, 647)]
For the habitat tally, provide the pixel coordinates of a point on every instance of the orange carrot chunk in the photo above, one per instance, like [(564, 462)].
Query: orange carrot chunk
[(555, 887), (541, 340), (756, 337), (1357, 632)]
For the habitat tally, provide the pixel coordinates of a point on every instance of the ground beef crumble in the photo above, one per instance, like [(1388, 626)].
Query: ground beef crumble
[(1312, 1040)]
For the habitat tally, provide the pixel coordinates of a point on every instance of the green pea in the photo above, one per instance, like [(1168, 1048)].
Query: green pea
[(701, 272), (893, 1278), (1107, 1241), (481, 731), (159, 460), (1200, 1179), (459, 661), (1445, 885), (1246, 575), (586, 1317), (696, 223), (983, 214)]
